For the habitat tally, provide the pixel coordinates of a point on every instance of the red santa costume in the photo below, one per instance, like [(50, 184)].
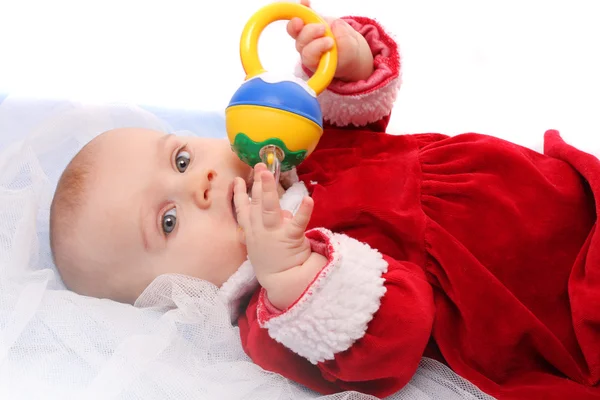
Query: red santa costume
[(468, 249)]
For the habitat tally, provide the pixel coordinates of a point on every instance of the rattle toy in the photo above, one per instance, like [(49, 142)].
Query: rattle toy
[(277, 119)]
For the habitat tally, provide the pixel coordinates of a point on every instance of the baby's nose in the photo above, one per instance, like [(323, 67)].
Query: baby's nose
[(201, 188)]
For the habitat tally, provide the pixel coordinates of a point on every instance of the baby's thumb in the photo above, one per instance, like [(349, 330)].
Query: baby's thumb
[(341, 29)]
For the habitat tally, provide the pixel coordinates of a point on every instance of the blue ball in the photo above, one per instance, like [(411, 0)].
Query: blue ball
[(285, 95)]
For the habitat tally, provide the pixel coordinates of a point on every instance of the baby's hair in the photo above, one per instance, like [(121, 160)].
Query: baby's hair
[(67, 203)]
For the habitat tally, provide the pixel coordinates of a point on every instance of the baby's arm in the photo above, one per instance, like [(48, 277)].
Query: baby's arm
[(365, 103), (332, 313), (362, 324)]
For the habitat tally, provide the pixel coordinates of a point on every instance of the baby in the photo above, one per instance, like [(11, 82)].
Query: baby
[(376, 251)]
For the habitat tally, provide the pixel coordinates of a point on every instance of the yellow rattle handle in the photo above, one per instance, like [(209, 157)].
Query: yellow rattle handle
[(285, 11)]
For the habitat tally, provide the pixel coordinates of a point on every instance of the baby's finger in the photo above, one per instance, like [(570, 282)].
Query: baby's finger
[(308, 34), (294, 27), (256, 185), (271, 212), (298, 224), (287, 215), (312, 53), (256, 202), (242, 203), (329, 20), (305, 3), (260, 167), (342, 31)]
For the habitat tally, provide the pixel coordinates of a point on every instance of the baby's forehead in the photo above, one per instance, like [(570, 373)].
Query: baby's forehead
[(125, 137), (124, 166), (120, 152)]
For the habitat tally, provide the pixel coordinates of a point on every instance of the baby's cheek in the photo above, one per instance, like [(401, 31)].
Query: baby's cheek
[(241, 168)]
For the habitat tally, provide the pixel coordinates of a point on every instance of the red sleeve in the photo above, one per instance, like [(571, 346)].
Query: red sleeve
[(363, 323), (366, 104)]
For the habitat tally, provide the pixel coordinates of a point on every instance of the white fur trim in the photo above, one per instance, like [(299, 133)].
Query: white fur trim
[(292, 198), (239, 285), (362, 109), (334, 311), (359, 109)]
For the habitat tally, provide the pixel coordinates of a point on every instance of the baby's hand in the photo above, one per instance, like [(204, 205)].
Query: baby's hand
[(274, 238), (355, 59)]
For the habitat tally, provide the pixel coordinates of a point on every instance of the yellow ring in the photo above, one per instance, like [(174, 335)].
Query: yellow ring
[(285, 11)]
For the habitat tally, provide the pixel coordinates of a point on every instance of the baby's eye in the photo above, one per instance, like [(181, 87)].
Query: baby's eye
[(182, 160), (169, 220)]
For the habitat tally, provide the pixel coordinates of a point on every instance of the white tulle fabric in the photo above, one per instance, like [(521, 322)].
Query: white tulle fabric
[(177, 343)]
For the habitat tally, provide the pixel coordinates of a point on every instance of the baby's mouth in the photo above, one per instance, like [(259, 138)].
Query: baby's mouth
[(249, 182), (233, 210)]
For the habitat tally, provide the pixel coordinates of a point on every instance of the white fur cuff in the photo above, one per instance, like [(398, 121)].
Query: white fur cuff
[(293, 196), (335, 309), (359, 109)]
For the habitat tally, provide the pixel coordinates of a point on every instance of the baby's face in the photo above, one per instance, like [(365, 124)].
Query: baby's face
[(163, 204)]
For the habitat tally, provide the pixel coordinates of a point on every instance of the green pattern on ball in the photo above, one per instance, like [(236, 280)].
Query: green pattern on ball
[(248, 151)]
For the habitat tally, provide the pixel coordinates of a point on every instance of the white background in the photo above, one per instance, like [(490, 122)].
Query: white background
[(508, 68)]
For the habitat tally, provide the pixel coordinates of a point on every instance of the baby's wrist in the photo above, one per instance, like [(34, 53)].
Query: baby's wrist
[(285, 287)]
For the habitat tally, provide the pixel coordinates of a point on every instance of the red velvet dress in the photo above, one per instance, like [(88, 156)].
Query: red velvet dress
[(469, 249)]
